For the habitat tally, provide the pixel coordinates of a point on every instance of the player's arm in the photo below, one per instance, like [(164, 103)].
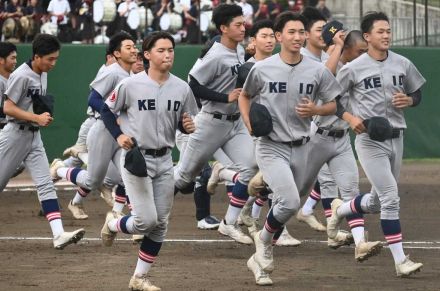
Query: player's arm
[(203, 92), (333, 60), (308, 108), (401, 100), (244, 104), (95, 100), (11, 109)]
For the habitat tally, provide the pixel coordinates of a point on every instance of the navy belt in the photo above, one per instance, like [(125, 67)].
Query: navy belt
[(295, 143), (155, 152), (397, 132), (332, 133), (228, 117), (30, 128)]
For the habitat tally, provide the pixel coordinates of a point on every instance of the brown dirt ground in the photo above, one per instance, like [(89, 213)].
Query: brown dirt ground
[(35, 265)]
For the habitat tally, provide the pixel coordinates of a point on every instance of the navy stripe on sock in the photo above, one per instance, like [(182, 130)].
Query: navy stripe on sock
[(120, 191), (123, 224), (50, 205), (150, 247), (277, 235), (357, 203), (390, 227), (327, 203), (74, 174), (239, 195), (317, 187), (272, 222)]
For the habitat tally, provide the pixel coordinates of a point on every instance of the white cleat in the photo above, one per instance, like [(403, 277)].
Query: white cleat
[(141, 284), (215, 178), (75, 150), (209, 222), (108, 236), (256, 184), (246, 215), (255, 227), (67, 238), (407, 268), (56, 164), (286, 240), (263, 254), (107, 195), (311, 220), (234, 232), (334, 221), (343, 238), (367, 249), (77, 211), (261, 278)]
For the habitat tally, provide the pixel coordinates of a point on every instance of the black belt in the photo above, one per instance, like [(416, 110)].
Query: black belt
[(228, 117), (155, 153), (2, 125), (397, 132), (295, 143), (30, 128), (333, 133)]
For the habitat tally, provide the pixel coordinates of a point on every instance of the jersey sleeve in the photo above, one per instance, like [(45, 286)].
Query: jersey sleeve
[(117, 100), (414, 80), (329, 88), (345, 79), (189, 104), (16, 88), (206, 70), (104, 83), (252, 86)]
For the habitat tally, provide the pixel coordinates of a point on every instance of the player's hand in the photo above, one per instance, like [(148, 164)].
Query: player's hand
[(125, 142), (188, 123), (307, 108), (233, 96), (357, 125), (44, 119), (339, 38), (401, 100)]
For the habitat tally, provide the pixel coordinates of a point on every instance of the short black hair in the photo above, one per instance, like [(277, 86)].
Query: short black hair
[(266, 23), (6, 48), (369, 19), (352, 38), (151, 40), (312, 15), (45, 44), (115, 42), (225, 13), (285, 17)]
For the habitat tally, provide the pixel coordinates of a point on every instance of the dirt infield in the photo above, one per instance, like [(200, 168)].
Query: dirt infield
[(30, 263)]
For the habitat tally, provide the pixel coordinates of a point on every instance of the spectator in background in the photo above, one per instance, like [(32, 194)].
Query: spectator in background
[(84, 10), (12, 29), (124, 9), (191, 17), (34, 13), (262, 11), (274, 9), (295, 6), (162, 6), (248, 13), (324, 10), (58, 10)]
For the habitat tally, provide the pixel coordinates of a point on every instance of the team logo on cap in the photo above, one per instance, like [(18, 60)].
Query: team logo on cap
[(333, 30)]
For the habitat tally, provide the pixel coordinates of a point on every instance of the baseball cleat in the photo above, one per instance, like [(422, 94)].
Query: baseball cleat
[(141, 284), (286, 240), (365, 250), (106, 194), (263, 254), (234, 232), (67, 238), (137, 238), (407, 268), (256, 184), (261, 278), (56, 164), (255, 227), (75, 150), (343, 238), (311, 220), (246, 215), (334, 220), (215, 178), (209, 222), (108, 236), (77, 211)]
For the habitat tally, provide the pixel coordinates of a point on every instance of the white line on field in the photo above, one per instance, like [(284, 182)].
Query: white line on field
[(426, 245)]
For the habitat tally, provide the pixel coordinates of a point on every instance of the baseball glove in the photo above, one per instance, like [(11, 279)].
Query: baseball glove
[(378, 128), (135, 161), (43, 104)]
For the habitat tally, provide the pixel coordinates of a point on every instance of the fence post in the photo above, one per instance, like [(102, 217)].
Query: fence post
[(415, 22), (426, 24)]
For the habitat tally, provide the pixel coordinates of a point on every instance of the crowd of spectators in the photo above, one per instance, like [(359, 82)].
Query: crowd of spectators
[(92, 21)]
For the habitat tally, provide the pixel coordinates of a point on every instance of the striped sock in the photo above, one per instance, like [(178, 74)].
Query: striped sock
[(120, 199), (312, 200), (229, 189), (80, 194), (356, 223), (238, 200), (351, 207), (256, 208), (277, 235), (147, 255), (393, 235), (271, 226), (327, 205), (52, 211), (72, 174)]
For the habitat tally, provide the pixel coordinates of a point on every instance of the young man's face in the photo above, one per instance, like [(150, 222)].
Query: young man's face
[(9, 62), (356, 50), (47, 62), (264, 41), (314, 37), (292, 37), (235, 30), (138, 66), (127, 53), (380, 35), (161, 55)]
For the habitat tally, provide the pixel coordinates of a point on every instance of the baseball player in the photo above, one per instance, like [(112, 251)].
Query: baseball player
[(218, 123), (152, 106), (380, 83), (102, 147), (288, 84), (20, 139)]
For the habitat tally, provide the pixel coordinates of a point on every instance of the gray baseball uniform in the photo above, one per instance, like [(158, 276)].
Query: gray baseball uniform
[(3, 83), (282, 155), (371, 85), (20, 141), (150, 113), (218, 124)]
